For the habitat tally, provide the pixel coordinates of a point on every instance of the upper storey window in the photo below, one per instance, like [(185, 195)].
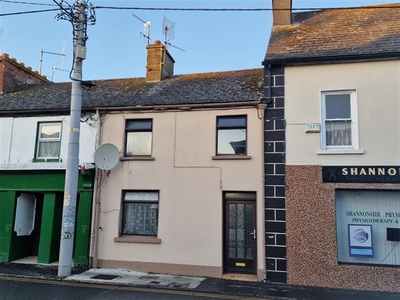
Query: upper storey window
[(48, 140), (339, 121), (232, 135), (139, 134)]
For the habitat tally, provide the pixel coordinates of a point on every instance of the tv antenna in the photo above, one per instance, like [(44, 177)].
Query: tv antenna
[(53, 69), (169, 32), (146, 29), (42, 52)]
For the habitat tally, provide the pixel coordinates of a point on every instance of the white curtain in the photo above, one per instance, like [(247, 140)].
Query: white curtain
[(140, 218), (338, 133), (49, 149)]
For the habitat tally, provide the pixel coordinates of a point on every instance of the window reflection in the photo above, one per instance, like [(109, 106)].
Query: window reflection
[(231, 135)]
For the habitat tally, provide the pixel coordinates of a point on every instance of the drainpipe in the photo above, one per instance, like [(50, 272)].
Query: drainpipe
[(94, 246)]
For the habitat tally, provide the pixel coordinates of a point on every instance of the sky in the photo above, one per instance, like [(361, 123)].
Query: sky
[(200, 41)]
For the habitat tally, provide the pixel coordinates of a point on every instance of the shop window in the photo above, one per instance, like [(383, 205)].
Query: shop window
[(339, 121), (140, 213), (138, 137), (232, 135), (368, 227), (48, 141)]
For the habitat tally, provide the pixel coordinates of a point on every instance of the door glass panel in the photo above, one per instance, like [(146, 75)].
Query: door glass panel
[(232, 231), (239, 242), (249, 231), (240, 231)]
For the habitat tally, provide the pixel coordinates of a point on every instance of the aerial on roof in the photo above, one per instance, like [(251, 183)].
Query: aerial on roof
[(202, 88), (332, 33)]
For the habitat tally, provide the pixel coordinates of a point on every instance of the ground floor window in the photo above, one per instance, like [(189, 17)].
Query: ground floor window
[(140, 213), (368, 226)]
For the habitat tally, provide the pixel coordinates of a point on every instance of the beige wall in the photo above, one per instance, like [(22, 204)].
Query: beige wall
[(378, 93), (190, 184)]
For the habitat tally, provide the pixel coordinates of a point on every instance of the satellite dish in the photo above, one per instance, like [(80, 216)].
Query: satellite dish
[(106, 157)]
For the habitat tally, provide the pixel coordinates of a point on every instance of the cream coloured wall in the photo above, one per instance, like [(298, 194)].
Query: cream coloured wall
[(378, 96), (190, 184)]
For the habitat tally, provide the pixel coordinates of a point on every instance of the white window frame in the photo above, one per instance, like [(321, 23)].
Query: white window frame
[(45, 140), (354, 148), (136, 197)]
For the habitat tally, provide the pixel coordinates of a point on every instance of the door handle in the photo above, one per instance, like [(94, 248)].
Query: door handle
[(254, 234)]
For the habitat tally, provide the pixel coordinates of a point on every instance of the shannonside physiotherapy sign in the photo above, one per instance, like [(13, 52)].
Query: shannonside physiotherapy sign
[(361, 174)]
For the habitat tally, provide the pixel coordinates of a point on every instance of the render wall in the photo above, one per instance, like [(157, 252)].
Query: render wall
[(378, 92), (190, 184), (18, 139), (311, 204)]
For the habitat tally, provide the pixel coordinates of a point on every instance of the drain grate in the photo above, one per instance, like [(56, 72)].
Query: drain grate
[(177, 285), (105, 277), (148, 277)]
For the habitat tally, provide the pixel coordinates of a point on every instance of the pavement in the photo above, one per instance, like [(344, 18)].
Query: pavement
[(223, 287)]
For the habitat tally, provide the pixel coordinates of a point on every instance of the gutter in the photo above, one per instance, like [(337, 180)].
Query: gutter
[(49, 112), (182, 106), (332, 59)]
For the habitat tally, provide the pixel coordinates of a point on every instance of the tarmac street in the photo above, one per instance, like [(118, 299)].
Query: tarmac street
[(31, 289), (36, 281)]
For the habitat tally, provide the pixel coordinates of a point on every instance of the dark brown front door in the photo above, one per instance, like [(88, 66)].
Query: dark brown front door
[(240, 235)]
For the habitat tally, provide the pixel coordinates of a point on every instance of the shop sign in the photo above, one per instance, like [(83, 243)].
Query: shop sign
[(361, 174)]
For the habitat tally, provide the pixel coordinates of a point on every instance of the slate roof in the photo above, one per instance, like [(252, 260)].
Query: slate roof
[(201, 88), (368, 31)]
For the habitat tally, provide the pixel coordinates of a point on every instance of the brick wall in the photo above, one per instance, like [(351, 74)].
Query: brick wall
[(274, 147), (14, 74)]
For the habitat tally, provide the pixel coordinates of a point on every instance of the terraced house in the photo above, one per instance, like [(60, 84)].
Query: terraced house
[(333, 80), (186, 196), (185, 192), (34, 126)]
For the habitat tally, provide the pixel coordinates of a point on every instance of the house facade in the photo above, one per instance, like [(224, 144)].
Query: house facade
[(186, 196), (338, 84), (33, 154)]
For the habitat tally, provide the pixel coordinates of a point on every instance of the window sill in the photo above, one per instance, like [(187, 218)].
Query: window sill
[(231, 157), (138, 239), (340, 151), (128, 158), (44, 160)]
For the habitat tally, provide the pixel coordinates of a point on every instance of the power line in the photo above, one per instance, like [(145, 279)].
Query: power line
[(192, 9), (24, 2), (28, 12), (243, 9)]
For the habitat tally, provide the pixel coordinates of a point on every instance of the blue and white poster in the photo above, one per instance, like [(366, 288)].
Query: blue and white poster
[(360, 240)]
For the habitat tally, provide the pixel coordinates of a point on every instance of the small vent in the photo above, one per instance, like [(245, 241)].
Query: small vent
[(148, 277), (177, 285), (105, 277)]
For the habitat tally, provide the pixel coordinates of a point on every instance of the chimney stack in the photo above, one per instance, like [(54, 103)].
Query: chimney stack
[(282, 12), (14, 74), (160, 63)]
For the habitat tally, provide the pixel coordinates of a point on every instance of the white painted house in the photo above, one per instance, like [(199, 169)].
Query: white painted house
[(34, 133)]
